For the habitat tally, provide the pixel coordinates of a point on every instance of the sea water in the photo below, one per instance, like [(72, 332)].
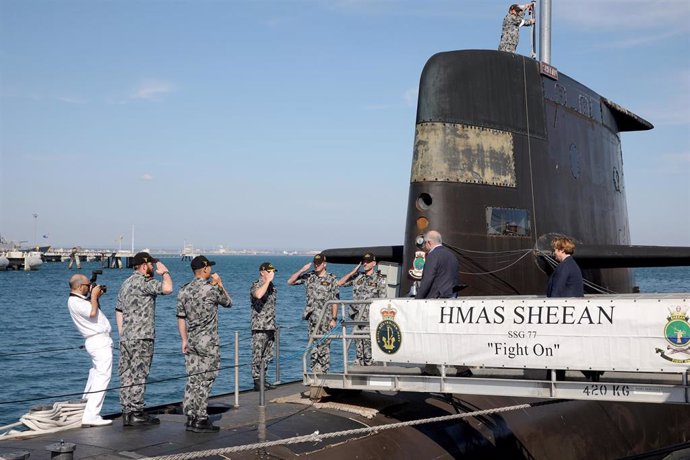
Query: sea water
[(41, 360)]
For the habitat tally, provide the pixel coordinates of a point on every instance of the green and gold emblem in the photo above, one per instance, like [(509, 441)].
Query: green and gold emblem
[(388, 336), (677, 335)]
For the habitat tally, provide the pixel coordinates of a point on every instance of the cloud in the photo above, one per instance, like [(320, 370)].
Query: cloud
[(147, 177), (670, 104), (644, 39), (152, 89), (71, 100), (625, 15), (682, 158), (411, 96), (374, 107), (360, 6)]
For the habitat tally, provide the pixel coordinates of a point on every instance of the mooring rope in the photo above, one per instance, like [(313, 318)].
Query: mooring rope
[(317, 437), (63, 415)]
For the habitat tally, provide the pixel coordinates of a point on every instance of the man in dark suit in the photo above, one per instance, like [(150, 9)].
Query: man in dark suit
[(441, 269)]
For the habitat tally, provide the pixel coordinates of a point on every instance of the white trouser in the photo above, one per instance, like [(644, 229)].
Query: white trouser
[(100, 348)]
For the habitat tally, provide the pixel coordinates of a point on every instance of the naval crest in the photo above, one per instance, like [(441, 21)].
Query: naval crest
[(677, 335), (388, 335)]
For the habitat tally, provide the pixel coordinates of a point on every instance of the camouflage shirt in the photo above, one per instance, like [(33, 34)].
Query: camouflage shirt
[(263, 309), (197, 302), (319, 290), (136, 300), (510, 32), (365, 287)]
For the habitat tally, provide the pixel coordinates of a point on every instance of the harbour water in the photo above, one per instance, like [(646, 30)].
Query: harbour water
[(41, 360)]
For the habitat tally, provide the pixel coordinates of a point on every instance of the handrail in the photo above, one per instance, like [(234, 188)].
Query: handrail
[(346, 338)]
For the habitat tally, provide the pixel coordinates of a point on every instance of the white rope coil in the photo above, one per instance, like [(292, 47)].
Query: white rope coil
[(63, 415)]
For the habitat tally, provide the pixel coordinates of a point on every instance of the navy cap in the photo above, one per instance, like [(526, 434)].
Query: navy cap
[(143, 258), (267, 266), (201, 262)]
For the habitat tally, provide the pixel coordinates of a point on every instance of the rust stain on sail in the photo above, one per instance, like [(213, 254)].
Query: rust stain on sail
[(448, 152)]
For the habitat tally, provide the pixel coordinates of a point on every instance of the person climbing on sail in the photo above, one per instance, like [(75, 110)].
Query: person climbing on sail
[(510, 34)]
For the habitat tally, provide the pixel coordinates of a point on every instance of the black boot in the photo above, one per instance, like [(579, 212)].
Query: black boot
[(202, 425), (267, 386), (139, 418)]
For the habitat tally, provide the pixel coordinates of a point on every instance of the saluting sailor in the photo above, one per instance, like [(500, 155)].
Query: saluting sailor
[(135, 314), (262, 295), (197, 321), (370, 284), (321, 287)]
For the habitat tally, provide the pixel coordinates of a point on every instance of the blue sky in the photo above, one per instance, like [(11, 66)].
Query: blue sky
[(289, 124)]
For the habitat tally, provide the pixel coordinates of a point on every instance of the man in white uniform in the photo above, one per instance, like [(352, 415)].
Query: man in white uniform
[(95, 328)]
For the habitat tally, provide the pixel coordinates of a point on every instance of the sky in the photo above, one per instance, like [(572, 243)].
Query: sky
[(289, 124)]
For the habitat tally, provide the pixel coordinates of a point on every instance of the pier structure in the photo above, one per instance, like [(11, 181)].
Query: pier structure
[(20, 260)]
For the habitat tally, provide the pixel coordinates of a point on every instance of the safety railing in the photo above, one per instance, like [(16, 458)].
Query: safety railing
[(483, 380), (359, 330)]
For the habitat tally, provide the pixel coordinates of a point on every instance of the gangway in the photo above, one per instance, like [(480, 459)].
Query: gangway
[(628, 342)]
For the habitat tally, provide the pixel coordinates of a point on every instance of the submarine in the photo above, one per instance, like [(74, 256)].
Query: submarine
[(507, 152)]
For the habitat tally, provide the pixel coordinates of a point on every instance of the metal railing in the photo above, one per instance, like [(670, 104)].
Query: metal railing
[(359, 330)]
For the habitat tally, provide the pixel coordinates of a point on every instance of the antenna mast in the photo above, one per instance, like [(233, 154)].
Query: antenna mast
[(545, 32)]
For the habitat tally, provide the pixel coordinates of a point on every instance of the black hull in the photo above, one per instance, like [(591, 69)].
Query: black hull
[(548, 149)]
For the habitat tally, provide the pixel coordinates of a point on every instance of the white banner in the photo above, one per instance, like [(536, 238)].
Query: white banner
[(638, 333)]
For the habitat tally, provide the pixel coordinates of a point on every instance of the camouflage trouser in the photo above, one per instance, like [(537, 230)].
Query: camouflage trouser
[(202, 362), (363, 346), (321, 354), (135, 364), (262, 348), (508, 44)]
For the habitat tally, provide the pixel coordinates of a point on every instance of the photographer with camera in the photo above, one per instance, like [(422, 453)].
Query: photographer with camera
[(510, 34), (95, 328)]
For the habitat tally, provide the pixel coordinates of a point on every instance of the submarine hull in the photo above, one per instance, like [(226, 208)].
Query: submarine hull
[(504, 155)]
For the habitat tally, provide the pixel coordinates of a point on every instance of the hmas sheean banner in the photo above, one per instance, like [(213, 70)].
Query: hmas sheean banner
[(624, 333)]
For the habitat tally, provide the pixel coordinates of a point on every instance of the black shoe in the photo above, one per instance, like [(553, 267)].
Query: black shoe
[(202, 425), (138, 418), (267, 386)]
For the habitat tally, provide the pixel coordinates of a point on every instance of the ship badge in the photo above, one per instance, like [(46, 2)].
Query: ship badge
[(677, 335), (417, 265), (388, 334)]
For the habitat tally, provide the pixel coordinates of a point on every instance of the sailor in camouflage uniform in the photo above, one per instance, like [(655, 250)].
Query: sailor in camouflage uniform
[(135, 314), (510, 35), (262, 295), (321, 287), (370, 284), (197, 321)]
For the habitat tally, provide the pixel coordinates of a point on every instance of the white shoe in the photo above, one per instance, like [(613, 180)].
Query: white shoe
[(96, 422)]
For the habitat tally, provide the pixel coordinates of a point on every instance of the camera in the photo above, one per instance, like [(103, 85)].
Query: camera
[(94, 276)]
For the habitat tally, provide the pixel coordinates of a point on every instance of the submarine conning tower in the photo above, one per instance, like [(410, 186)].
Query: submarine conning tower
[(507, 150)]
